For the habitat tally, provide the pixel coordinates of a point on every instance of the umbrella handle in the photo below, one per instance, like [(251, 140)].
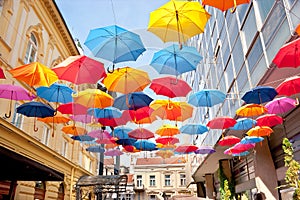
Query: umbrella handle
[(174, 82), (35, 128), (8, 115), (234, 7), (111, 71), (206, 116)]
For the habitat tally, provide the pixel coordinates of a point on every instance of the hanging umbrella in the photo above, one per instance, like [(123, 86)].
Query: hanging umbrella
[(167, 140), (114, 44), (140, 116), (72, 108), (2, 75), (132, 101), (73, 130), (243, 124), (280, 105), (175, 60), (113, 152), (113, 121), (178, 20), (260, 131), (145, 145), (170, 86), (108, 112), (288, 55), (126, 141), (164, 153), (224, 5), (166, 146), (14, 92), (141, 133), (111, 146), (239, 148), (95, 149), (80, 69), (130, 149), (93, 98), (269, 120), (229, 140), (245, 153), (99, 134), (167, 130), (83, 138), (250, 110), (82, 118), (259, 95), (186, 149), (56, 119), (34, 74), (56, 93), (297, 30), (289, 86), (205, 150), (121, 132), (251, 140), (193, 129), (35, 109), (126, 80), (221, 123)]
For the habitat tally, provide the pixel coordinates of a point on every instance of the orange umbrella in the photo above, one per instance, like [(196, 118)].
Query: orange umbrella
[(165, 153), (298, 29), (224, 4), (250, 110), (93, 98), (167, 130), (74, 130), (58, 118), (126, 80), (260, 131), (34, 74)]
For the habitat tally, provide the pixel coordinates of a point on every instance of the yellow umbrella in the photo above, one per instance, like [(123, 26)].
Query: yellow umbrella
[(167, 130), (126, 80), (34, 74), (74, 130), (250, 110), (93, 98), (260, 131), (178, 20)]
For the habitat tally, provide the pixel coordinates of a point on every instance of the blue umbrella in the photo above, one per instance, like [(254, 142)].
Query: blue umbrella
[(132, 101), (260, 94), (95, 149), (126, 142), (108, 112), (56, 93), (145, 145), (35, 109), (206, 98), (175, 61), (83, 138), (193, 129), (245, 153), (251, 139), (121, 132), (114, 44), (243, 124)]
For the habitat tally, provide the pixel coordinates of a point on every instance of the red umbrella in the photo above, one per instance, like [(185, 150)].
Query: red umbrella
[(105, 141), (72, 108), (80, 69), (221, 123), (288, 55), (113, 121), (186, 148), (170, 86), (167, 140), (2, 76), (141, 133), (289, 86), (229, 140), (269, 120), (141, 113)]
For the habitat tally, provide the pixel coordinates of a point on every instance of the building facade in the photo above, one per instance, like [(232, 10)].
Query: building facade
[(47, 163), (238, 49)]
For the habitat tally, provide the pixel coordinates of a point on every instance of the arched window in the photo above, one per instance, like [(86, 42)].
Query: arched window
[(40, 189), (61, 192), (31, 51)]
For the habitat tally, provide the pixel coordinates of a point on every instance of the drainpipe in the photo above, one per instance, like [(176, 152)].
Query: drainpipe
[(71, 184)]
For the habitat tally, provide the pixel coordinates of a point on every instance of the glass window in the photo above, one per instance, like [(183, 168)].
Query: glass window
[(152, 197), (167, 180), (64, 148), (230, 72), (233, 29), (259, 69), (139, 181), (242, 78), (18, 118), (256, 52), (31, 51), (238, 55), (152, 180), (249, 28), (182, 180), (46, 136), (242, 11), (264, 8)]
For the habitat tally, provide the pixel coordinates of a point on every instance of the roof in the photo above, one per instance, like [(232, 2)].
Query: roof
[(159, 160)]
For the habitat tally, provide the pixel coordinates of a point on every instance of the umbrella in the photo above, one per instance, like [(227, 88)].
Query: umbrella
[(224, 4), (186, 148), (167, 140), (193, 129), (132, 101), (250, 110), (175, 60), (288, 55), (221, 123), (245, 153), (80, 69), (121, 132), (167, 130), (56, 93), (108, 112), (251, 139), (205, 150), (178, 20), (113, 152), (243, 124), (114, 44), (239, 148), (141, 133), (259, 95), (289, 86), (95, 149), (126, 80), (99, 134), (280, 105), (106, 141), (269, 120), (145, 145), (126, 141), (58, 118), (2, 76), (130, 149), (35, 109), (260, 131), (170, 86), (74, 130), (229, 140), (72, 108), (111, 146), (83, 138), (34, 74), (14, 92), (93, 98), (164, 153), (82, 118), (140, 116), (113, 121)]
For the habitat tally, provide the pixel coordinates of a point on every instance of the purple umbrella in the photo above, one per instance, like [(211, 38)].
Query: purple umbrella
[(280, 105), (205, 150), (14, 92), (113, 152), (82, 118)]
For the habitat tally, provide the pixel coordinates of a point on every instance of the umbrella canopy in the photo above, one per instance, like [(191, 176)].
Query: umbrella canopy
[(113, 121), (186, 148), (115, 44), (239, 148), (137, 116), (170, 86), (167, 140), (56, 93), (251, 139), (260, 131), (207, 98), (132, 101), (269, 120), (83, 138), (289, 86), (259, 95), (99, 134), (80, 69), (221, 123), (82, 118), (34, 74), (113, 152), (193, 129), (95, 149), (250, 110), (245, 153), (164, 153), (121, 132), (130, 149), (167, 130), (58, 118), (288, 55), (74, 130), (175, 60), (243, 124), (280, 105), (145, 145), (2, 75), (108, 112), (126, 80), (224, 4), (205, 150), (126, 141), (93, 98), (178, 20), (229, 140), (141, 133), (72, 108)]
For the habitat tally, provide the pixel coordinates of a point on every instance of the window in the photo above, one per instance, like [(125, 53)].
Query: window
[(17, 119), (46, 136), (264, 8), (152, 180), (40, 189), (152, 197), (139, 181), (167, 180), (64, 148), (182, 180), (31, 50)]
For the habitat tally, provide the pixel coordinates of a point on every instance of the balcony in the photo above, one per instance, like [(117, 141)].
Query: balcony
[(138, 188)]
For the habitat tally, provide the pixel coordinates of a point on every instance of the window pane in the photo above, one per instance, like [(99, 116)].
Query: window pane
[(264, 7), (238, 55), (249, 28), (256, 52)]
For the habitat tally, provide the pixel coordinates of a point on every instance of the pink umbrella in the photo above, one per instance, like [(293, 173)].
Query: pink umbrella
[(113, 152), (239, 148), (280, 105), (100, 134), (82, 118), (186, 148), (221, 123)]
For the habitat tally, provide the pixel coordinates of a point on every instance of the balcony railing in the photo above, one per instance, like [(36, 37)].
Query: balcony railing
[(138, 187)]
